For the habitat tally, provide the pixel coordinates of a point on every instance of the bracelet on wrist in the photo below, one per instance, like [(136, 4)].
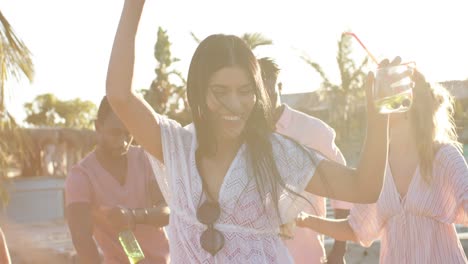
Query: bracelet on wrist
[(140, 215), (129, 212)]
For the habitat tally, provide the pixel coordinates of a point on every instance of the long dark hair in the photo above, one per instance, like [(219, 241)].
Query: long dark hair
[(213, 54)]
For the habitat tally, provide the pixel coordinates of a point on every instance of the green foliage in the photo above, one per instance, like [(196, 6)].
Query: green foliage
[(15, 148), (15, 58), (256, 39), (167, 93), (345, 100), (15, 61), (47, 110)]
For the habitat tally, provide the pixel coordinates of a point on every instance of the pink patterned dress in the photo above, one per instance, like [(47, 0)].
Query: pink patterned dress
[(419, 228), (249, 224)]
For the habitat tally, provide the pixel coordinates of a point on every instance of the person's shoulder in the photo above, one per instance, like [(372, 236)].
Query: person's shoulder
[(173, 127), (135, 150), (448, 155), (138, 153), (190, 127), (81, 171), (280, 142), (172, 130), (449, 162), (447, 151), (85, 163), (291, 155), (280, 139), (308, 121), (284, 144)]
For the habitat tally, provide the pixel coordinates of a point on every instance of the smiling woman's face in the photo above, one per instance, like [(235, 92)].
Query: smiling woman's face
[(230, 99)]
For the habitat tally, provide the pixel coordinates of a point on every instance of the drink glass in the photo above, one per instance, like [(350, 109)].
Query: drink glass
[(393, 88), (393, 84)]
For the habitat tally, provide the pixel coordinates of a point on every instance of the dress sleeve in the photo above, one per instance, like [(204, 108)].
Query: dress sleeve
[(337, 204), (367, 223), (458, 174), (78, 188), (323, 140), (296, 165), (174, 140)]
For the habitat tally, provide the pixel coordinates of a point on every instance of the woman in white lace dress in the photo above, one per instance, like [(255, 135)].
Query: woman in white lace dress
[(234, 182)]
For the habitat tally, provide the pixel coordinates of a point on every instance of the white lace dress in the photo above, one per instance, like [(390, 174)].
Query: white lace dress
[(250, 231)]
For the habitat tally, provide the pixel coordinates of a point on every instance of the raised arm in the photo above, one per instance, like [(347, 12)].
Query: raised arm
[(361, 185), (135, 113)]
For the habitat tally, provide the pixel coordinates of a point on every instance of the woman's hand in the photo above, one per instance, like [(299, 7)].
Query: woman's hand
[(339, 229), (302, 220)]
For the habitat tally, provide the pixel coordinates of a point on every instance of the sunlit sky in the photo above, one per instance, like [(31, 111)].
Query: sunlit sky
[(71, 40)]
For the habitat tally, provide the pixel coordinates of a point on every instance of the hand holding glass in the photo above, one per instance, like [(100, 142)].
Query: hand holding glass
[(393, 88), (393, 84)]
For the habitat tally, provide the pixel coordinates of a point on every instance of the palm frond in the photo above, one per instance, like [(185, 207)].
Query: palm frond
[(360, 69), (15, 58), (318, 69), (15, 61), (195, 37), (256, 39)]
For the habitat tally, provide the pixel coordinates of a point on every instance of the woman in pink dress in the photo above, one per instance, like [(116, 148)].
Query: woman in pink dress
[(425, 190), (233, 182)]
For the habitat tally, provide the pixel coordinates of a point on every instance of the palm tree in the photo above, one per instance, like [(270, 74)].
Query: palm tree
[(166, 93), (16, 62), (342, 98), (15, 58), (253, 40)]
